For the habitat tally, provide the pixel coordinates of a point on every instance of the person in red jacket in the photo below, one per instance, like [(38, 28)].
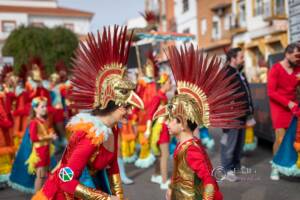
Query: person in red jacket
[(205, 97), (283, 80), (101, 88)]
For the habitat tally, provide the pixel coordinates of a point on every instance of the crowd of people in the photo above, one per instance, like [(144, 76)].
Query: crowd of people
[(69, 135)]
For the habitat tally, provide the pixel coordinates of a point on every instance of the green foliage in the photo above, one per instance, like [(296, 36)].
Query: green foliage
[(51, 45)]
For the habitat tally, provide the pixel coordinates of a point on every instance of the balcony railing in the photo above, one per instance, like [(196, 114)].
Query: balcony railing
[(274, 9)]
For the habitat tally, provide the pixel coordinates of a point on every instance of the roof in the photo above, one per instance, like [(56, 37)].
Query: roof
[(58, 11)]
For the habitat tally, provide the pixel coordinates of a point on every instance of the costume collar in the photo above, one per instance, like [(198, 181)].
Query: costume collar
[(90, 124)]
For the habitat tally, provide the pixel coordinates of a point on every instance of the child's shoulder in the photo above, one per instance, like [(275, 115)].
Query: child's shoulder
[(196, 145)]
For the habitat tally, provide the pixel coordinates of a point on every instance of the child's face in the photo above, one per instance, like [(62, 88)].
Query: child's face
[(41, 109), (174, 126)]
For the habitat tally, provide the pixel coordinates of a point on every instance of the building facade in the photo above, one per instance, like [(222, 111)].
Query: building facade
[(41, 13), (214, 25), (185, 12), (261, 30)]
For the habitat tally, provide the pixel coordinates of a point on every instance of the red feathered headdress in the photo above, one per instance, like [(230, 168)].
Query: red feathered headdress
[(6, 70), (150, 17), (99, 73), (151, 67), (206, 95)]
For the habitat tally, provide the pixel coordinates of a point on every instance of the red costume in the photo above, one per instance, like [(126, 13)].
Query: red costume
[(83, 149), (21, 113), (205, 98), (281, 90), (98, 80), (39, 135), (161, 135), (191, 156), (146, 90)]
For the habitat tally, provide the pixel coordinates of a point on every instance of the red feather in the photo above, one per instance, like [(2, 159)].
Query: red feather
[(191, 65), (91, 57)]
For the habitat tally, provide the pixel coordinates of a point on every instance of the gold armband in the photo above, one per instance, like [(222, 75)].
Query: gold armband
[(83, 192), (209, 192), (116, 186)]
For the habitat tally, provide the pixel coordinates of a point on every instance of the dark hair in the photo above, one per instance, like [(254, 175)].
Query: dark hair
[(232, 53), (111, 107), (191, 125), (291, 47)]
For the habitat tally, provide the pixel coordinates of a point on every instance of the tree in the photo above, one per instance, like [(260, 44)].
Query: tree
[(51, 45)]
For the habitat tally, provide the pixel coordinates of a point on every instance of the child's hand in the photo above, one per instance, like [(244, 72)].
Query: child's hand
[(168, 194)]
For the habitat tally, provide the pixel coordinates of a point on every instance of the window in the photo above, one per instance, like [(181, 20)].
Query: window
[(258, 7), (242, 13), (279, 8), (8, 26), (227, 22), (185, 5), (203, 26), (69, 26), (187, 30), (216, 28)]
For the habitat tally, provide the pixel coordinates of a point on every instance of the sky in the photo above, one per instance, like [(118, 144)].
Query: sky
[(107, 12)]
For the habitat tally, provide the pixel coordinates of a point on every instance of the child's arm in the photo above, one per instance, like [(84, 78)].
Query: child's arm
[(199, 162)]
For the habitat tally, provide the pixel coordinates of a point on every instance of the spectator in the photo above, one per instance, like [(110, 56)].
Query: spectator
[(283, 80), (232, 140)]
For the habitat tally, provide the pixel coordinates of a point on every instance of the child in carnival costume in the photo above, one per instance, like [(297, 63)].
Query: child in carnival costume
[(7, 150), (127, 146), (33, 159), (36, 83), (159, 134), (128, 137), (59, 113), (146, 89), (21, 113), (205, 98), (101, 88)]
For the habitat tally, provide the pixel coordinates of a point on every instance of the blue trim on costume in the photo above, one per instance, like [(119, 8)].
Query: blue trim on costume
[(286, 157)]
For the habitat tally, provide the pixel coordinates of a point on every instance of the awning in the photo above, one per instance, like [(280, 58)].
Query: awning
[(167, 36)]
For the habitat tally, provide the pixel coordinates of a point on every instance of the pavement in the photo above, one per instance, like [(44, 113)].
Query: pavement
[(255, 183)]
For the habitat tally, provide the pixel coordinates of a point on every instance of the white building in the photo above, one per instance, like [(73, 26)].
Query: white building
[(186, 17), (15, 13), (261, 29)]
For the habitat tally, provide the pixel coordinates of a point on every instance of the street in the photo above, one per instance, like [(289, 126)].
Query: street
[(254, 186)]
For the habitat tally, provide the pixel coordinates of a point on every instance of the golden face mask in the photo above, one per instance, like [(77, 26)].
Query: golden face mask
[(112, 85)]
